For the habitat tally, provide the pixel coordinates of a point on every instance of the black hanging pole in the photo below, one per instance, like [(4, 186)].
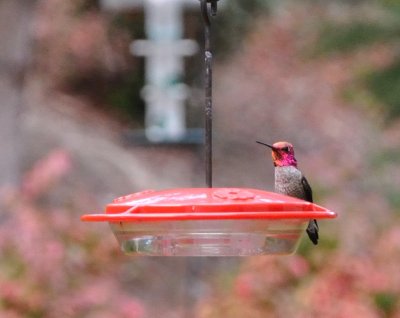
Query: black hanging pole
[(205, 12)]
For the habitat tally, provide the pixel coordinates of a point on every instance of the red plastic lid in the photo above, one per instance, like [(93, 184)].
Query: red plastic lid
[(207, 204)]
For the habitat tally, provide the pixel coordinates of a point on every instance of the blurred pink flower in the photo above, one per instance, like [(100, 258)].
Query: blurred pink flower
[(244, 285), (130, 308), (46, 172), (84, 39), (298, 266)]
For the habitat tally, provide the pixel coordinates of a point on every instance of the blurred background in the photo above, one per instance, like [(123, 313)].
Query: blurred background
[(79, 127)]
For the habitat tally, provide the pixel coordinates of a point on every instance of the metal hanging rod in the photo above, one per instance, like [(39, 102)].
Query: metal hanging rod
[(208, 9)]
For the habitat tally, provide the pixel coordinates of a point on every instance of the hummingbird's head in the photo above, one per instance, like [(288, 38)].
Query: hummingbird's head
[(282, 154)]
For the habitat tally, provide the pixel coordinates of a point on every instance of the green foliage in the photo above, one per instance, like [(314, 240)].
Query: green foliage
[(344, 38), (129, 22), (385, 86), (119, 94), (392, 5), (326, 244), (386, 302), (393, 199), (234, 21), (83, 6), (381, 159), (124, 97)]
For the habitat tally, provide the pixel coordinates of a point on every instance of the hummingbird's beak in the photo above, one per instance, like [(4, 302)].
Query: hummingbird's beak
[(264, 144)]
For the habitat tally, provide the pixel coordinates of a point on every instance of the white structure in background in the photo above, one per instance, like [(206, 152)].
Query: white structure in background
[(165, 93)]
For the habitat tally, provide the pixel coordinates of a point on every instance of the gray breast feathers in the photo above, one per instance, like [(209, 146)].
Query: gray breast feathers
[(288, 181)]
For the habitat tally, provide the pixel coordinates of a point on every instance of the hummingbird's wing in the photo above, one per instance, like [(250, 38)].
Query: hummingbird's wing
[(307, 190), (312, 228)]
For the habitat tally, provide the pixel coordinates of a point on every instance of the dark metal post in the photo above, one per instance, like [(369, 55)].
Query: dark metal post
[(208, 85)]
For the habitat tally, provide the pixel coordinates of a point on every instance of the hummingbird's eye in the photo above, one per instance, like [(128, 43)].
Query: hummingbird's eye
[(285, 149)]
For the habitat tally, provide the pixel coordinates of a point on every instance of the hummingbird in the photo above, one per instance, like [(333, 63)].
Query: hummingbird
[(290, 181)]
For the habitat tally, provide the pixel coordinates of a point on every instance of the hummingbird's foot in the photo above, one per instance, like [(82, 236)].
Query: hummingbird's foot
[(312, 231)]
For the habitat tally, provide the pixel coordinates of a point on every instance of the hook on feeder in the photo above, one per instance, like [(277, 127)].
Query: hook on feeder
[(205, 11)]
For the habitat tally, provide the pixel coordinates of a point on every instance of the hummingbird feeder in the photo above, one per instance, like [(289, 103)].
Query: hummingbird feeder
[(208, 221)]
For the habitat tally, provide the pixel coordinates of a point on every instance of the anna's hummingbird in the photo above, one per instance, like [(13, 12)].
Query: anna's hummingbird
[(290, 181)]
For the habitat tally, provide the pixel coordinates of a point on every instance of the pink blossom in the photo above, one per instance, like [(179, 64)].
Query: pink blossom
[(45, 172)]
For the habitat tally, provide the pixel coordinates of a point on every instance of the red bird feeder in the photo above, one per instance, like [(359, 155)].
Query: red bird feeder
[(209, 222)]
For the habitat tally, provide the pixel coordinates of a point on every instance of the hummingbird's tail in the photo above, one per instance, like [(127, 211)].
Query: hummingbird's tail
[(312, 231)]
